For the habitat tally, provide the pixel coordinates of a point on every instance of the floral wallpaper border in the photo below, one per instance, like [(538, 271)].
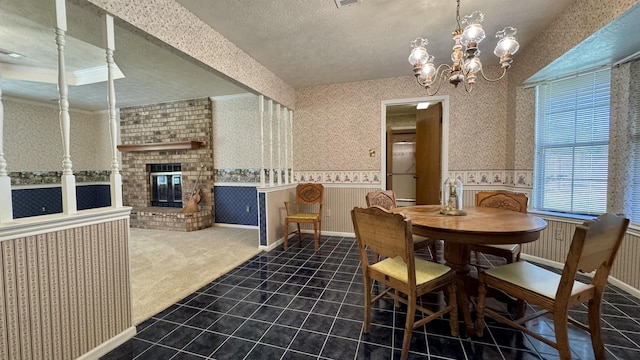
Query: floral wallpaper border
[(517, 178), (338, 177), (236, 175), (53, 177)]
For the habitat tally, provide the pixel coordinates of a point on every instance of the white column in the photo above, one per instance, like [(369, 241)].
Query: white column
[(68, 180), (270, 142), (279, 119), (115, 178), (6, 209), (262, 169), (285, 123), (291, 141)]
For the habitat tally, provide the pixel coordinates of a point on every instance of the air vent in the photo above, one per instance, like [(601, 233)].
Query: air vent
[(341, 3)]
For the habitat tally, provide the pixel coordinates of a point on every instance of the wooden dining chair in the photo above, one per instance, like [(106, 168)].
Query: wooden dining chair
[(389, 235), (500, 199), (594, 247), (387, 200), (306, 209)]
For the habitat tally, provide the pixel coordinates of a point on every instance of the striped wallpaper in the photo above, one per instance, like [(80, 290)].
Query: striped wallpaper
[(65, 292)]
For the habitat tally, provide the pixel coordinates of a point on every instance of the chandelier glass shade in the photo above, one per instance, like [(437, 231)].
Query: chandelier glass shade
[(465, 64)]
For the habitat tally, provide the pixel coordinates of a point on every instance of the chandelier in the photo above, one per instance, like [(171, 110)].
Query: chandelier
[(465, 65)]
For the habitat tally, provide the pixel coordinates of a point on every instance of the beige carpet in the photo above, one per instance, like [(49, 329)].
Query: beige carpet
[(166, 266)]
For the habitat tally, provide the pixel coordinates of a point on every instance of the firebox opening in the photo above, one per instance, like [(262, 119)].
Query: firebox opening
[(166, 185)]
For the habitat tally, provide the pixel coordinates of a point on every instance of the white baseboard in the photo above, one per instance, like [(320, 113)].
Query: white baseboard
[(109, 345), (236, 226), (624, 286), (272, 246)]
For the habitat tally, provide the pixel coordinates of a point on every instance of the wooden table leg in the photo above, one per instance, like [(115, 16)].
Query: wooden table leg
[(457, 257)]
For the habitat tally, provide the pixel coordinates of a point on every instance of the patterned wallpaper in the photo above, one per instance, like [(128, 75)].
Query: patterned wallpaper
[(66, 291), (625, 111), (237, 175), (53, 177), (401, 120), (336, 125), (33, 142), (236, 132)]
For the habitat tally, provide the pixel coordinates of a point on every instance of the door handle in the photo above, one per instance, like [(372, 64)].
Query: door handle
[(415, 176)]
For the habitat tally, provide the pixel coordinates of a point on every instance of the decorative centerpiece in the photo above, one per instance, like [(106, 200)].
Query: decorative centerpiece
[(452, 198)]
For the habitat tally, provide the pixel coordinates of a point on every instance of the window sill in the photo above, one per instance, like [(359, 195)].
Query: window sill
[(577, 218), (634, 228)]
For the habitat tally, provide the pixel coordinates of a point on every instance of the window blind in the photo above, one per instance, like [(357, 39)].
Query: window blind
[(572, 144)]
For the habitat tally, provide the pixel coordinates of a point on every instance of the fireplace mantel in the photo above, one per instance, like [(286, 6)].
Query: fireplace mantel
[(181, 145)]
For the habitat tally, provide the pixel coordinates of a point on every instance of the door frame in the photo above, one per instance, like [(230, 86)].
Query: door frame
[(444, 161)]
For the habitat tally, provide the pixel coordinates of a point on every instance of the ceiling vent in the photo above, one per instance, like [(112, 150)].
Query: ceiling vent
[(341, 3)]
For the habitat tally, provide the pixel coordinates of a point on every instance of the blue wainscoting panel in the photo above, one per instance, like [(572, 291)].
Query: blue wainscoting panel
[(34, 202), (236, 205), (263, 219), (93, 196), (43, 201)]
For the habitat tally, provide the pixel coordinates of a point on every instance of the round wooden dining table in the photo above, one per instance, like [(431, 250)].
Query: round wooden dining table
[(480, 225)]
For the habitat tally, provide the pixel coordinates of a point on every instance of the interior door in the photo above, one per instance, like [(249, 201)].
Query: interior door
[(428, 154), (389, 159)]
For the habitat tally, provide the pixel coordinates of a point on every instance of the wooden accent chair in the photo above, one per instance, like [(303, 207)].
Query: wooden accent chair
[(386, 199), (594, 247), (501, 199), (389, 235), (306, 209)]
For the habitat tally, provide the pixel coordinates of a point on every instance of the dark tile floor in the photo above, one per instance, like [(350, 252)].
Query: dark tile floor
[(299, 304)]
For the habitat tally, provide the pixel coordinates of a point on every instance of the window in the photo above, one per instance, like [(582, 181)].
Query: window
[(572, 144)]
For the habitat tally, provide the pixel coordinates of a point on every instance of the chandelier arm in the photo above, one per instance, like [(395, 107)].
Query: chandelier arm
[(504, 72), (418, 81), (442, 71), (467, 87)]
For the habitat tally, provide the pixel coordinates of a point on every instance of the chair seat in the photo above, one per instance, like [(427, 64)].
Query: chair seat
[(533, 278), (303, 216), (506, 247), (417, 239), (397, 268)]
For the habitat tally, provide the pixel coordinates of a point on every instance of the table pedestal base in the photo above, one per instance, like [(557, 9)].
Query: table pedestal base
[(457, 257)]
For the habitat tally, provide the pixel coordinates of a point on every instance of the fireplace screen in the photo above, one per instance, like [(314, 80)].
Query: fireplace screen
[(166, 185)]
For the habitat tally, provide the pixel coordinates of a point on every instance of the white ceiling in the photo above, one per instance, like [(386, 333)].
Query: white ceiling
[(304, 42)]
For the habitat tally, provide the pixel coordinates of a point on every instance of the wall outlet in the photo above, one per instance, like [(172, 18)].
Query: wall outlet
[(328, 213), (44, 209), (559, 235), (248, 208)]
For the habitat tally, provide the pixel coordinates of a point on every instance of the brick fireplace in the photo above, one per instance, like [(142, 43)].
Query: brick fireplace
[(176, 135)]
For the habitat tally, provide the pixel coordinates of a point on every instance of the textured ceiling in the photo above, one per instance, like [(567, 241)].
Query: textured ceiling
[(304, 42), (313, 42), (152, 73)]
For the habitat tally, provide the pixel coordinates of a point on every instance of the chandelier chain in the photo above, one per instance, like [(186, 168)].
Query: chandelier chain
[(458, 14)]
